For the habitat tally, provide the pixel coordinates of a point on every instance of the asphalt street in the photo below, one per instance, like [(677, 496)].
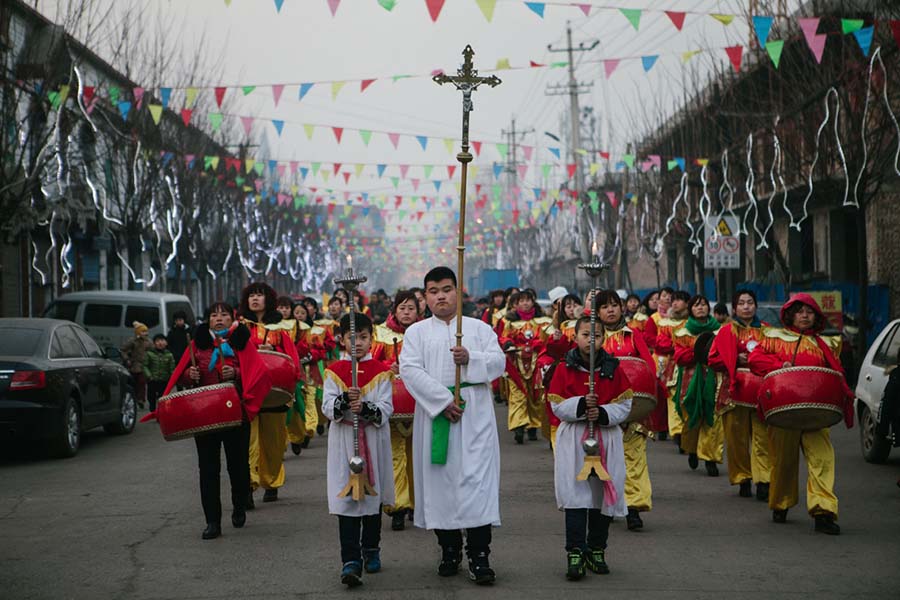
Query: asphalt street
[(123, 520)]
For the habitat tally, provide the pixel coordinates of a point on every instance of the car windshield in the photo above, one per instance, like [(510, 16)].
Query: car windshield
[(20, 341)]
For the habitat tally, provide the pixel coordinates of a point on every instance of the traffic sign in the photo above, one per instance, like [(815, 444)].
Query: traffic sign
[(722, 244)]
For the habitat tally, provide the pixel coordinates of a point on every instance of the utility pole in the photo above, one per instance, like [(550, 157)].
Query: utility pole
[(512, 162), (573, 89)]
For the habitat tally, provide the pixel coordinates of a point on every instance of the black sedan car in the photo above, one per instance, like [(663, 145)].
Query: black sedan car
[(56, 382)]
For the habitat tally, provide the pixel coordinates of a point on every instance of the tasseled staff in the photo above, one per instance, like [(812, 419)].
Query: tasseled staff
[(592, 463), (358, 485)]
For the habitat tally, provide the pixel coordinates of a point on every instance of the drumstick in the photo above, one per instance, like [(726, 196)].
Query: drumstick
[(191, 353), (396, 355), (796, 349)]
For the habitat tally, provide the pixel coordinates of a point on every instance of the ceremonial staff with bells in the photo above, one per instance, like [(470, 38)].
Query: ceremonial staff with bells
[(467, 81), (359, 484), (592, 462)]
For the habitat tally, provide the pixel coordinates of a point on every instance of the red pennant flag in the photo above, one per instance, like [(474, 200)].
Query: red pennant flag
[(677, 18), (346, 177), (570, 169), (338, 132), (220, 94), (451, 169), (365, 83), (534, 64), (186, 116), (604, 155), (515, 215), (397, 201), (477, 147), (734, 55), (330, 209), (895, 29), (88, 94), (337, 167), (434, 8), (395, 139)]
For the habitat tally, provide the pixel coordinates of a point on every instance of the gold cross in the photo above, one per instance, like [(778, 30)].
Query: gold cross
[(467, 81)]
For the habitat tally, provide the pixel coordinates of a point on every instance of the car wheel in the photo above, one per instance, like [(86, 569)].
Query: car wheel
[(127, 416), (68, 440), (875, 448)]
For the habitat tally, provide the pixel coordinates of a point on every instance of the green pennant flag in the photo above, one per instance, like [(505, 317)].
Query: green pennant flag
[(558, 65), (315, 167), (259, 168), (247, 89), (503, 149), (114, 95), (215, 120), (395, 181), (387, 5), (366, 135), (54, 99), (633, 15), (495, 190), (239, 180), (155, 112), (427, 169), (628, 159), (545, 170), (774, 48), (851, 25)]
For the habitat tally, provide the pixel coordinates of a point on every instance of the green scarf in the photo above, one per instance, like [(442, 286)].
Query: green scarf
[(440, 431), (700, 397)]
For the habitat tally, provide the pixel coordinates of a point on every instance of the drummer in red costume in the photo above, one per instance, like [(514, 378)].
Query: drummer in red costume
[(801, 344), (620, 340), (219, 353), (268, 432), (746, 435), (672, 315), (523, 333), (568, 310), (386, 348)]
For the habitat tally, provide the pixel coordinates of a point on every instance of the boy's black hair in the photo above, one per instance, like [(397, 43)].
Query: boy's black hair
[(159, 336), (217, 306), (697, 299), (586, 320), (440, 274), (334, 299), (679, 295), (284, 301), (363, 323), (179, 314), (669, 290), (743, 292), (720, 309)]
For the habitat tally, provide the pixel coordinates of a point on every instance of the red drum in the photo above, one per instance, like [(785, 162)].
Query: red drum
[(747, 388), (404, 403), (199, 410), (643, 384), (284, 380), (804, 398)]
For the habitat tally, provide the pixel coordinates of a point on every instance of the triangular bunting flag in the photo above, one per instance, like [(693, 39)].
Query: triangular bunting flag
[(220, 95), (279, 125), (487, 8), (448, 143), (734, 55), (387, 5), (864, 38), (164, 95), (336, 88), (365, 135), (817, 46), (333, 6), (537, 8), (677, 18), (774, 49), (138, 94), (762, 26), (434, 8), (633, 15), (365, 83), (648, 62), (278, 4), (423, 141), (809, 26), (247, 122), (723, 19), (476, 146), (686, 56), (585, 8), (503, 149), (215, 120), (394, 138), (309, 129), (502, 63), (338, 132), (851, 25), (155, 112), (554, 152), (186, 116), (124, 109), (190, 96), (380, 169), (609, 65), (304, 89), (276, 92)]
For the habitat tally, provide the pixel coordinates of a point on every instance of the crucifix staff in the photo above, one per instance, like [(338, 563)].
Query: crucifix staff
[(467, 81)]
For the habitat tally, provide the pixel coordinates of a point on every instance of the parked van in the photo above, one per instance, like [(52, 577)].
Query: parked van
[(108, 316)]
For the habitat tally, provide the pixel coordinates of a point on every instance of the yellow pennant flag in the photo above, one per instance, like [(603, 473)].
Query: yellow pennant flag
[(325, 173), (190, 96), (336, 88), (594, 168), (723, 19), (63, 94), (294, 190), (503, 63), (448, 142), (474, 171), (702, 162), (248, 164), (359, 169), (309, 129), (487, 8), (155, 112), (686, 56), (581, 151), (554, 193)]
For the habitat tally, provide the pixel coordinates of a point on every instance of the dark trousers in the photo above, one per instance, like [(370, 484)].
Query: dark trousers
[(586, 529), (154, 391), (352, 544), (237, 460), (140, 388), (478, 539)]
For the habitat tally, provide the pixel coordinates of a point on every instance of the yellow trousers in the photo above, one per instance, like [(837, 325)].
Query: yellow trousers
[(268, 439), (553, 429), (819, 454), (704, 440), (524, 411), (312, 411), (747, 445), (638, 492), (401, 449), (676, 423)]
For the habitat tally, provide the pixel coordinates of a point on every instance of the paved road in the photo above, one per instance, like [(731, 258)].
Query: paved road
[(123, 520)]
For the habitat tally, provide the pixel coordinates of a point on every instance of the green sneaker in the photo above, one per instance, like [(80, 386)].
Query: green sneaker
[(575, 568), (596, 562)]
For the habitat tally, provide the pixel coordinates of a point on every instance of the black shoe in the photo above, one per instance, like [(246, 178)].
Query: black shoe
[(762, 492), (480, 569), (520, 435), (250, 503), (238, 517), (693, 463), (296, 449), (596, 561), (779, 516), (320, 429), (712, 469), (532, 434), (212, 531), (677, 439), (498, 399), (450, 559), (746, 490), (662, 436), (398, 520), (633, 520), (305, 443), (409, 515), (270, 495), (825, 524), (575, 565)]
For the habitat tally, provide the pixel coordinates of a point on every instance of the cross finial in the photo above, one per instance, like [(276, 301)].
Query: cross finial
[(467, 81)]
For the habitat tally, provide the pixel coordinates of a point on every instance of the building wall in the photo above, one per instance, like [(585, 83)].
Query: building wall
[(883, 235)]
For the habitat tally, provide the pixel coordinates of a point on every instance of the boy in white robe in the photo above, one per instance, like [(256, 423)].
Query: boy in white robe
[(589, 505), (456, 452), (371, 401)]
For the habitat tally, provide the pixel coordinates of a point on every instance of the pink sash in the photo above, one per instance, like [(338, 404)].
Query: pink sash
[(609, 488)]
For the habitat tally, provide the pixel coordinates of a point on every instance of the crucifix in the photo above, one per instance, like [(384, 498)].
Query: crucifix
[(467, 81)]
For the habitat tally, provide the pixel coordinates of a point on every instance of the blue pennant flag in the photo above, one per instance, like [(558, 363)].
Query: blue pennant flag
[(365, 211), (498, 168), (381, 169), (164, 95), (537, 193), (423, 141), (864, 38), (124, 109), (273, 164), (304, 89), (304, 171), (537, 8), (762, 25), (437, 186), (648, 62), (279, 125), (554, 151)]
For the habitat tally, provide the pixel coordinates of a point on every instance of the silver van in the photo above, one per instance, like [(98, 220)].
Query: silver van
[(108, 316)]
